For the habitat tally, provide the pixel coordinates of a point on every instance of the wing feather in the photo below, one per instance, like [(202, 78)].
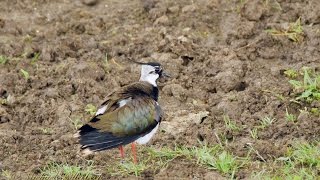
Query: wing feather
[(121, 123)]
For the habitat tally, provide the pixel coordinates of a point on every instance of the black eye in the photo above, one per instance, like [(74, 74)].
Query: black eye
[(152, 72), (157, 69)]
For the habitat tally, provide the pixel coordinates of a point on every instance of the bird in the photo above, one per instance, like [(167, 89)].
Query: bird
[(131, 114)]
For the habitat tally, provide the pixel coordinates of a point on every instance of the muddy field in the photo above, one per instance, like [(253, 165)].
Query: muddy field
[(63, 55)]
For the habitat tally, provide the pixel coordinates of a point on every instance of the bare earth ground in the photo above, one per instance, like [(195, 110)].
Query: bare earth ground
[(223, 63)]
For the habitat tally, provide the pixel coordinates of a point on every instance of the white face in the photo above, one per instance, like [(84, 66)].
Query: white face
[(148, 73)]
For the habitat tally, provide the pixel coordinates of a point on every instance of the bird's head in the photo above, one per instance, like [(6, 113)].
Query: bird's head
[(151, 72)]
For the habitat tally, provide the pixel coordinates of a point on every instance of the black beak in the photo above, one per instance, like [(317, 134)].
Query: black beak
[(164, 74)]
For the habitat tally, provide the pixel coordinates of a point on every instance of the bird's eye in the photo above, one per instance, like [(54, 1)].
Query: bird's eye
[(158, 69), (152, 72)]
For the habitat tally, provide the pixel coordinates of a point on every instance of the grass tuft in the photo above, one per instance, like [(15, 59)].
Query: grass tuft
[(254, 133), (231, 125), (290, 117), (3, 59), (294, 32), (306, 154), (266, 122), (91, 109), (126, 168), (76, 123), (25, 74), (66, 171), (307, 89)]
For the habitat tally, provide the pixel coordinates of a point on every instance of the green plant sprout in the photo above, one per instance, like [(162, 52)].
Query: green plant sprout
[(308, 89), (266, 122), (25, 74), (294, 31), (91, 109), (290, 117), (230, 124), (3, 59)]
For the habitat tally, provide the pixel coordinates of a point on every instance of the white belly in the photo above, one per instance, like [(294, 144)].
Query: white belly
[(146, 138)]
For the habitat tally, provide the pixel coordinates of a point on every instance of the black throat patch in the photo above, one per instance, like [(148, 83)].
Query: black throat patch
[(142, 89), (155, 93)]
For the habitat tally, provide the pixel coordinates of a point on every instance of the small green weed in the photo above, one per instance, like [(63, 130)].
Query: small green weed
[(213, 157), (76, 123), (290, 117), (3, 101), (127, 168), (266, 122), (91, 109), (301, 162), (25, 74), (226, 163), (7, 174), (47, 131), (205, 155), (294, 31), (307, 89), (306, 154), (291, 73), (66, 171), (254, 133), (315, 111), (35, 58), (230, 124), (3, 59)]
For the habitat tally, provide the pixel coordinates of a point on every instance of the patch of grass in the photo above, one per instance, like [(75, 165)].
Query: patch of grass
[(266, 122), (209, 157), (126, 168), (290, 117), (230, 124), (213, 157), (205, 155), (166, 155), (291, 73), (306, 154), (47, 131), (277, 95), (307, 89), (315, 111), (226, 163), (7, 174), (66, 171), (3, 101), (254, 133), (25, 74), (301, 162), (294, 32), (35, 58), (3, 59), (76, 123), (91, 109)]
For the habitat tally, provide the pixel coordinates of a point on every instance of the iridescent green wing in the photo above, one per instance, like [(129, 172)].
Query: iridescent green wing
[(137, 116)]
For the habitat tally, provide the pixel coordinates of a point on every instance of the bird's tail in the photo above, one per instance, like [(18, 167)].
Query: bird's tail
[(93, 140)]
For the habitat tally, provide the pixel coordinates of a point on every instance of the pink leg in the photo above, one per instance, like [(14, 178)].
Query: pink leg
[(134, 152), (121, 152)]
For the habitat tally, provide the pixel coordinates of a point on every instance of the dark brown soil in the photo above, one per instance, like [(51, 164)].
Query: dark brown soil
[(221, 60)]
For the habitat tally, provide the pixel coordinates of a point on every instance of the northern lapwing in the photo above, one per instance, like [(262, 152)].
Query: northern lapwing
[(131, 114)]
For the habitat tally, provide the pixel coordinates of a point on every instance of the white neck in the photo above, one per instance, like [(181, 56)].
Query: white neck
[(150, 79)]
